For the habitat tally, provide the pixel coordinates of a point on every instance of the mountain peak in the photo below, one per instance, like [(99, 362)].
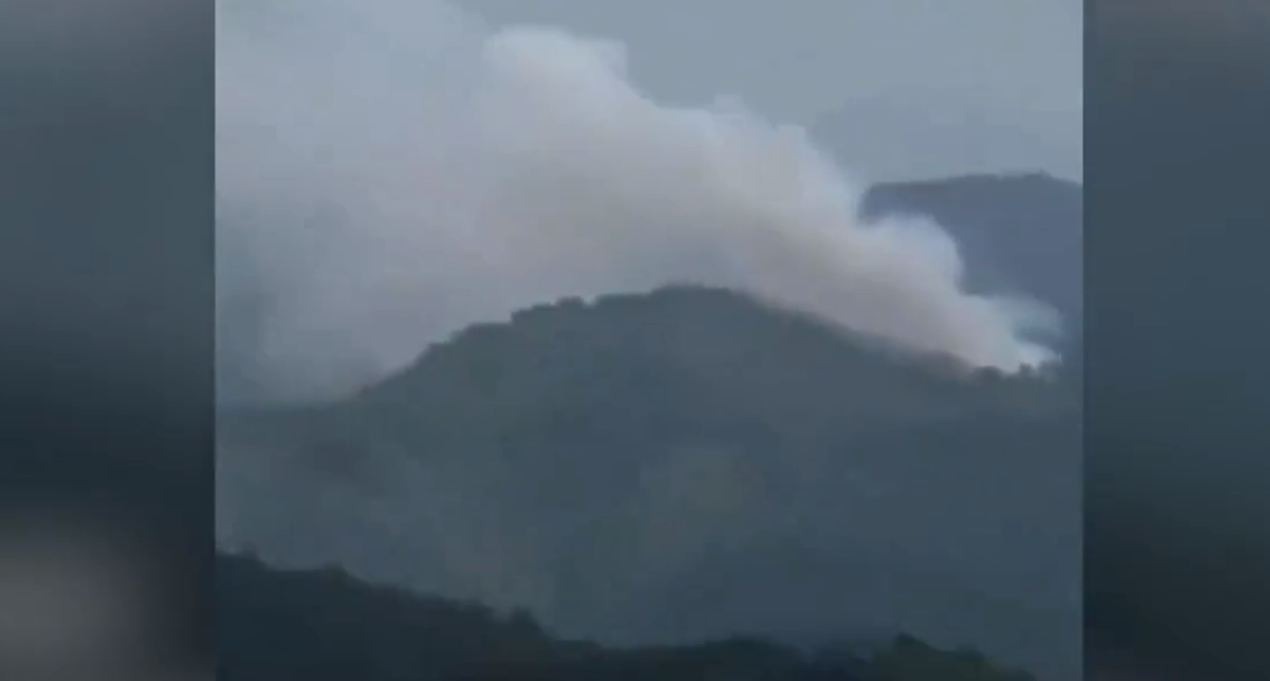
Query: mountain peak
[(709, 334)]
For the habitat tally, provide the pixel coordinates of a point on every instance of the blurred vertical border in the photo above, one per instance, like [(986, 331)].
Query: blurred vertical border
[(1178, 386), (106, 278)]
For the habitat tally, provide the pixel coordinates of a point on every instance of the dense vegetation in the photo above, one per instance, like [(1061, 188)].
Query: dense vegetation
[(642, 470), (325, 624), (684, 465)]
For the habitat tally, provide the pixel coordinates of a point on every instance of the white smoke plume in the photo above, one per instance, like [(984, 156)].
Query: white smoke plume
[(389, 171)]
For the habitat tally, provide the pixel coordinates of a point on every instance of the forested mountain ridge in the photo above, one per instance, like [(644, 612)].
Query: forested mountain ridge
[(326, 624), (689, 464), (683, 465)]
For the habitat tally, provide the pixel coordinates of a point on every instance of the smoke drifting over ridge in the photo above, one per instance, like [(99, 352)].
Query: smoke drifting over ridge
[(390, 171)]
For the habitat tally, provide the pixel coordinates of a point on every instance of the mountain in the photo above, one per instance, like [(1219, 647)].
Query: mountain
[(326, 624), (683, 465), (1019, 233)]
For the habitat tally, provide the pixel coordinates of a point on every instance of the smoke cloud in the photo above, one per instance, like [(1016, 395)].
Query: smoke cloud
[(390, 171)]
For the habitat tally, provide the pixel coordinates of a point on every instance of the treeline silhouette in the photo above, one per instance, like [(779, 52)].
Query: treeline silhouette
[(324, 624), (682, 465), (686, 463)]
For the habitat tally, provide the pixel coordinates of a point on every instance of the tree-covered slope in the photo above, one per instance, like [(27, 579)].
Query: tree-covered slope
[(324, 624), (683, 465)]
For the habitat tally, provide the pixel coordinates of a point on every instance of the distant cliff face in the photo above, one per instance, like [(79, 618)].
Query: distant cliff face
[(1018, 233)]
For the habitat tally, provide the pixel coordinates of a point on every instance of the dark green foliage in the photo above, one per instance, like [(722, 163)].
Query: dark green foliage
[(866, 489), (324, 625), (680, 364), (686, 464)]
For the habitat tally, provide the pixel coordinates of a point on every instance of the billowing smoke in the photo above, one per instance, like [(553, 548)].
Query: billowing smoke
[(390, 171)]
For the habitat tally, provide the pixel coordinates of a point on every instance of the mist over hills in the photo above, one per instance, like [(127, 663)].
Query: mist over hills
[(688, 464), (436, 171), (1018, 233), (683, 464)]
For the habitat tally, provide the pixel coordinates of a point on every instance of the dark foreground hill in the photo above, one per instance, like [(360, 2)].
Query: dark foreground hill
[(325, 624), (688, 465)]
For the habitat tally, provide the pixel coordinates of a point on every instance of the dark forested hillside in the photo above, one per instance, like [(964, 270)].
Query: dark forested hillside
[(688, 465), (324, 624)]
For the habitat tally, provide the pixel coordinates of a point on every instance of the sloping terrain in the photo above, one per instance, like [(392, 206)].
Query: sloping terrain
[(325, 624), (688, 464)]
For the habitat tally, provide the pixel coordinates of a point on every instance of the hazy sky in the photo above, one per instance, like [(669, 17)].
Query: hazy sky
[(905, 88), (392, 171)]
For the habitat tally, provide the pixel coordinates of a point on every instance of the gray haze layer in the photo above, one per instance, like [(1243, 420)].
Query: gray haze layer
[(391, 171), (902, 89)]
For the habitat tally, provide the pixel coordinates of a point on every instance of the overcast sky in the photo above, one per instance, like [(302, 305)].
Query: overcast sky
[(897, 88)]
